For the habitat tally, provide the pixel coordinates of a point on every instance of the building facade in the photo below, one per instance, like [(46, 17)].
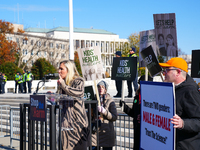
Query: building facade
[(83, 38)]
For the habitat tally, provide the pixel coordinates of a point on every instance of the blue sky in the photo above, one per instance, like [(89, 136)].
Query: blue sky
[(117, 16)]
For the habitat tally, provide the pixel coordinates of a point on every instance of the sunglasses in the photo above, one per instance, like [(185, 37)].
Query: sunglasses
[(166, 70)]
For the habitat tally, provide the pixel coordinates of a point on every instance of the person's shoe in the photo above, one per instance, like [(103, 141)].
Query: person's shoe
[(117, 96), (129, 96)]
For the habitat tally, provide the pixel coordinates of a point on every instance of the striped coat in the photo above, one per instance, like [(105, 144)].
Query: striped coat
[(73, 115)]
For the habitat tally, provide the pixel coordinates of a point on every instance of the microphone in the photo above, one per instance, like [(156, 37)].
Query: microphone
[(51, 75)]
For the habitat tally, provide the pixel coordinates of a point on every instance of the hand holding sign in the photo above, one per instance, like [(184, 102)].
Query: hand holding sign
[(177, 121)]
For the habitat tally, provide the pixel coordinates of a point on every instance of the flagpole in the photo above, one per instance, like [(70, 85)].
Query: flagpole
[(71, 43)]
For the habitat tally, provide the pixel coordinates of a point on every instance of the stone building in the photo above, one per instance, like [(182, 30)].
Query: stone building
[(54, 43)]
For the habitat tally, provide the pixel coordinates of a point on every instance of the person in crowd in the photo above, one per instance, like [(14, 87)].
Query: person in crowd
[(18, 81), (187, 117), (0, 83), (135, 112), (4, 80), (171, 49), (24, 81), (118, 83), (29, 81), (161, 45), (108, 112), (70, 83), (135, 82)]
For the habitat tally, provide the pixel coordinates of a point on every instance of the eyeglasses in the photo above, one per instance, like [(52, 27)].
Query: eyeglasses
[(166, 70)]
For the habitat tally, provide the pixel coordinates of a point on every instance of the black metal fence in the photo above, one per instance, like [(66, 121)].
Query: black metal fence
[(36, 135)]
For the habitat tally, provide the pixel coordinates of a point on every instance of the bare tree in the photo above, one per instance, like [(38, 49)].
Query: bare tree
[(32, 47)]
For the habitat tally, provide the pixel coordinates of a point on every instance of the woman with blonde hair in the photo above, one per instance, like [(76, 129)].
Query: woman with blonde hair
[(74, 122)]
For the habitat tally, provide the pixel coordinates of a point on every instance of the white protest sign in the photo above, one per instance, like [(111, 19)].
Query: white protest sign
[(147, 38), (157, 108), (91, 65)]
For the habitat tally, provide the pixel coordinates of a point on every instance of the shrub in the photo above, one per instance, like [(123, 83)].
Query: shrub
[(10, 69), (42, 67)]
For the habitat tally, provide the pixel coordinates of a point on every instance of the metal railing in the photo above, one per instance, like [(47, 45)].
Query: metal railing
[(123, 127), (4, 123), (124, 131)]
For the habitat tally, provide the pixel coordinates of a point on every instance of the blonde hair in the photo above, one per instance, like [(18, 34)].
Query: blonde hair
[(72, 71)]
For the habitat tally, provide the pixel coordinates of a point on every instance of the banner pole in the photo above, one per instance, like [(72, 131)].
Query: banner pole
[(146, 74), (97, 92), (98, 99), (122, 95), (162, 78)]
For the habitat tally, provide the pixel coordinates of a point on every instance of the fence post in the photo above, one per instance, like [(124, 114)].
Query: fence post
[(52, 127), (22, 127), (11, 126)]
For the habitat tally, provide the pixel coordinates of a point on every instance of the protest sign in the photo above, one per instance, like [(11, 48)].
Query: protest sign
[(147, 38), (151, 61), (38, 107), (91, 65), (165, 30), (88, 93), (157, 108), (124, 68), (195, 69)]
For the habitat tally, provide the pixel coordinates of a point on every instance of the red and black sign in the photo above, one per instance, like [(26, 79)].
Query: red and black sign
[(38, 107)]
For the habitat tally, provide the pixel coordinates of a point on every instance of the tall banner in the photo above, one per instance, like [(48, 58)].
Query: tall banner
[(147, 38), (150, 61), (91, 65), (166, 38), (157, 131), (124, 68), (195, 69)]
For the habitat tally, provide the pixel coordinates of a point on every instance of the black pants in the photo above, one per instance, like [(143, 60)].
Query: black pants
[(29, 86), (135, 85), (0, 87), (16, 85), (3, 87), (118, 84), (24, 87)]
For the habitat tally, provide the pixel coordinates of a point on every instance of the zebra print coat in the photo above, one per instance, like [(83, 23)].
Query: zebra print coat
[(74, 120)]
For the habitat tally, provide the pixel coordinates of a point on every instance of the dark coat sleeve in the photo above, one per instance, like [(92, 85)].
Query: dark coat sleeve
[(191, 103)]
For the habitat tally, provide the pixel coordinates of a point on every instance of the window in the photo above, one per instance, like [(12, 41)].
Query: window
[(38, 43), (62, 46), (63, 55), (38, 54), (17, 40), (45, 54), (32, 62), (51, 54), (25, 51), (45, 44), (57, 54), (9, 38), (25, 42), (24, 61), (31, 52), (51, 45), (31, 42), (57, 46)]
